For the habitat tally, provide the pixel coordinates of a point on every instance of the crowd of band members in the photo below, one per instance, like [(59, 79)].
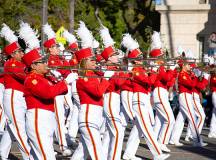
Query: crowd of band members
[(100, 103)]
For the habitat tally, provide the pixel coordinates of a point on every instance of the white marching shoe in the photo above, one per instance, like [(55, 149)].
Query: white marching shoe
[(211, 135), (164, 148), (177, 144), (161, 156), (126, 157), (66, 152), (199, 144), (188, 138)]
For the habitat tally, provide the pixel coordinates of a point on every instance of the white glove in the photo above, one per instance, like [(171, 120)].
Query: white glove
[(206, 76), (71, 78), (155, 69), (211, 60), (56, 74), (130, 67), (197, 72), (108, 74), (172, 67)]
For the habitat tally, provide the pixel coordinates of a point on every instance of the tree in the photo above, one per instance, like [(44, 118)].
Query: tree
[(71, 15), (136, 17)]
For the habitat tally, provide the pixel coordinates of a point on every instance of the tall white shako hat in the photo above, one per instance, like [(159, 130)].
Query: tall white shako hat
[(132, 46), (86, 38), (9, 36), (32, 53), (156, 45), (51, 36), (108, 43), (71, 39), (179, 51)]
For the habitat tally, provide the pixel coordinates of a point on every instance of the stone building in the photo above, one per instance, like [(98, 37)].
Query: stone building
[(187, 23)]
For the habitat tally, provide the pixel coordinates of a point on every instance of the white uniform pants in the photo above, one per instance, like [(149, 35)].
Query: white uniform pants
[(73, 124), (60, 121), (2, 113), (114, 125), (199, 112), (126, 100), (40, 125), (213, 119), (127, 112), (186, 111), (133, 142), (90, 122), (15, 109), (150, 110), (164, 113), (144, 125)]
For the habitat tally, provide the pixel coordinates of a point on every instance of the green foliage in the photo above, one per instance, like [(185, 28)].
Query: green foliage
[(136, 17)]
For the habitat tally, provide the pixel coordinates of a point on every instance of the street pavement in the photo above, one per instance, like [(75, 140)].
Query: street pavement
[(186, 152)]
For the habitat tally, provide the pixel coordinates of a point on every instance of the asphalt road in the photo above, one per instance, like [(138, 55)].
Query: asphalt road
[(186, 152)]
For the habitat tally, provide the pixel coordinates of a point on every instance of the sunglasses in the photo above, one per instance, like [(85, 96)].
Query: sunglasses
[(41, 61), (17, 51)]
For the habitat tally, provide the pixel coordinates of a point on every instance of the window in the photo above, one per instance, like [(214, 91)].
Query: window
[(201, 47)]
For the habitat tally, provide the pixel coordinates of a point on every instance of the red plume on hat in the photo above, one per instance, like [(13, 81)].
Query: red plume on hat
[(156, 45), (131, 45), (86, 42), (71, 39), (51, 36), (9, 36)]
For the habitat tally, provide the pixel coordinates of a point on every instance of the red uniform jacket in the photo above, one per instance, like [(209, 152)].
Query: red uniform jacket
[(185, 82), (115, 83), (152, 74), (163, 78), (14, 74), (142, 82), (2, 78), (73, 61), (171, 83), (127, 85), (57, 61), (40, 92), (91, 90), (200, 84), (213, 83)]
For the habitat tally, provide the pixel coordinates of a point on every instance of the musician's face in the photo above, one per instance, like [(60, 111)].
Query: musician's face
[(90, 63), (114, 59), (18, 55), (54, 50), (187, 67), (40, 67), (138, 62)]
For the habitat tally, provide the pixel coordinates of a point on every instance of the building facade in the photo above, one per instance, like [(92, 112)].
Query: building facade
[(187, 23)]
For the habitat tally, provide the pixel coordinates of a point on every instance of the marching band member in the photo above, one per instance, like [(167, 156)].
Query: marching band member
[(212, 132), (201, 84), (55, 60), (2, 88), (112, 99), (141, 83), (160, 95), (127, 111), (73, 114), (90, 92), (14, 102), (2, 113), (185, 85), (40, 117), (141, 86)]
